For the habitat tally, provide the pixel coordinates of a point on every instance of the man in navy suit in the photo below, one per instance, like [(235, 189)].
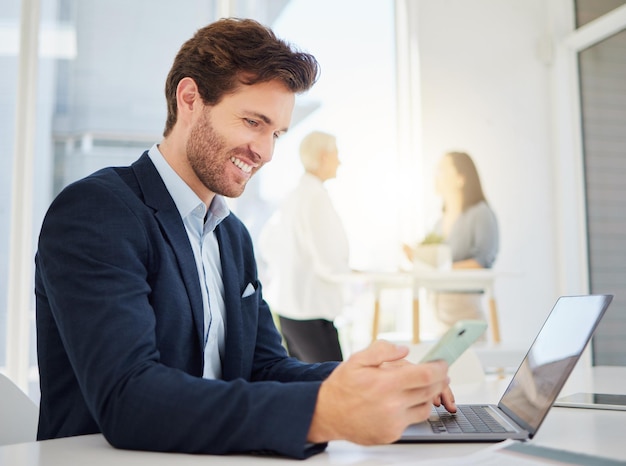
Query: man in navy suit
[(151, 325)]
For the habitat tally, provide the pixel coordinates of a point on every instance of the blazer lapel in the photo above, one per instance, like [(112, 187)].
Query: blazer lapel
[(158, 198), (233, 363)]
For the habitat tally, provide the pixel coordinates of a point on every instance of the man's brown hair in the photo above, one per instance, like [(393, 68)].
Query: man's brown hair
[(230, 52)]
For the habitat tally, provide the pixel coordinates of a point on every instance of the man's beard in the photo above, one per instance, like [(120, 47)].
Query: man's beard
[(207, 155)]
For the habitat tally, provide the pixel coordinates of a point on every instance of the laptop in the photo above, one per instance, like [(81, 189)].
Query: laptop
[(534, 387)]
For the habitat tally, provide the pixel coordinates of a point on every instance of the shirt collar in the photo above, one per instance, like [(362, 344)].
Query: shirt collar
[(187, 202)]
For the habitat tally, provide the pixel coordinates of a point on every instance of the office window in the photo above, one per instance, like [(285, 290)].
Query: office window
[(589, 10), (603, 98), (101, 70), (9, 44)]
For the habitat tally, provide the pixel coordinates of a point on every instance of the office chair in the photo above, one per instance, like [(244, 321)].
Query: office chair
[(18, 414)]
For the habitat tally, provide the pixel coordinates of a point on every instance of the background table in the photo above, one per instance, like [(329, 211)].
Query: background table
[(480, 280)]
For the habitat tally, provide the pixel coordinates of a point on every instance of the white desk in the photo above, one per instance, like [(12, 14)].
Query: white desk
[(581, 430)]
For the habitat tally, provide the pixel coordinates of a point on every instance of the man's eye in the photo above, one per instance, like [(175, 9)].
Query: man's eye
[(252, 122)]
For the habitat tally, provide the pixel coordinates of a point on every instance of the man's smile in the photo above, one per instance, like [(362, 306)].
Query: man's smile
[(241, 164)]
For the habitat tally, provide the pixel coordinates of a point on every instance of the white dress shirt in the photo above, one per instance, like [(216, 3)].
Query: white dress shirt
[(304, 245), (205, 248)]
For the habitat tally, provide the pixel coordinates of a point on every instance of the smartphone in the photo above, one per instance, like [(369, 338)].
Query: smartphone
[(456, 340)]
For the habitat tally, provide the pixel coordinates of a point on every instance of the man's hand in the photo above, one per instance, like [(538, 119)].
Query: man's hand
[(374, 395)]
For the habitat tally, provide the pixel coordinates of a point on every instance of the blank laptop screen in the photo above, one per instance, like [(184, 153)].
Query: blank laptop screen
[(551, 358)]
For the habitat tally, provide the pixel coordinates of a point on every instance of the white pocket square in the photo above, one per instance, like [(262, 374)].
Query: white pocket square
[(248, 291)]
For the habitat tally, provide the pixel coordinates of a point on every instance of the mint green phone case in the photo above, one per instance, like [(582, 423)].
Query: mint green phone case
[(456, 340)]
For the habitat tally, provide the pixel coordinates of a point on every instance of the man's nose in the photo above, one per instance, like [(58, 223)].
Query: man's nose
[(264, 147)]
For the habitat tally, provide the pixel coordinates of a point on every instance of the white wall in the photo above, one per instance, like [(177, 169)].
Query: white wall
[(486, 82)]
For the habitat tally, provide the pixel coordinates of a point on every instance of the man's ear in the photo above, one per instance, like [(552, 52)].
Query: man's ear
[(324, 157), (187, 97)]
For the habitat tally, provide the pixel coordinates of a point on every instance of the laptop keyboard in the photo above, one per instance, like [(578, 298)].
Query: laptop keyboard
[(466, 419)]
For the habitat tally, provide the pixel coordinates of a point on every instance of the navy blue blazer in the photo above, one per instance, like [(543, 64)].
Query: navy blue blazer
[(120, 330)]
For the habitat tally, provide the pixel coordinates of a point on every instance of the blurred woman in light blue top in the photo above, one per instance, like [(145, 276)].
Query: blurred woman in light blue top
[(469, 226)]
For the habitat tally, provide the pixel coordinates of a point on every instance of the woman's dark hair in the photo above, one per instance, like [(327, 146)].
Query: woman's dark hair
[(472, 189), (230, 52)]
